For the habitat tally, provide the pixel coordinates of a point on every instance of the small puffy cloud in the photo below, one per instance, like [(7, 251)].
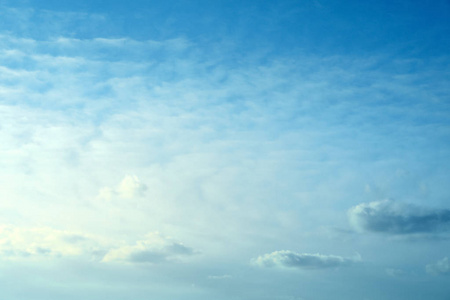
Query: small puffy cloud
[(442, 267), (154, 249), (130, 187), (41, 242), (286, 258), (388, 216)]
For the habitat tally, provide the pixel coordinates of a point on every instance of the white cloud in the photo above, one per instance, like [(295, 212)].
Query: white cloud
[(130, 187), (285, 258), (391, 217), (37, 243), (154, 249), (441, 267), (41, 242)]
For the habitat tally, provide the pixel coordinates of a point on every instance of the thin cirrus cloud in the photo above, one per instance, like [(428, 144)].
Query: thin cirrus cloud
[(391, 217), (395, 272), (286, 258), (441, 267)]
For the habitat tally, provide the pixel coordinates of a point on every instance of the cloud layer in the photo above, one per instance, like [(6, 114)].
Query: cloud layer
[(390, 217), (44, 242), (285, 258), (41, 242), (230, 146)]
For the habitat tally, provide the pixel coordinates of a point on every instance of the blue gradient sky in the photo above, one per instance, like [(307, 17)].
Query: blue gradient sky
[(224, 150)]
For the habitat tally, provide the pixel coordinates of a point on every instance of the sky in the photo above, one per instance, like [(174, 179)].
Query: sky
[(246, 150)]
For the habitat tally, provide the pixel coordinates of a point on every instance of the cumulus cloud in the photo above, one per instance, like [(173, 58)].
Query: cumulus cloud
[(130, 187), (154, 249), (285, 258), (40, 242), (388, 216), (441, 267)]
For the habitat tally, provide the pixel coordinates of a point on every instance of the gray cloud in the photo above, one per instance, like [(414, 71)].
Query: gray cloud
[(154, 249), (388, 216), (285, 258), (442, 267), (146, 256), (159, 255)]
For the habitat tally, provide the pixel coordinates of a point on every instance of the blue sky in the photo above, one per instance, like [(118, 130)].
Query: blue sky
[(224, 150)]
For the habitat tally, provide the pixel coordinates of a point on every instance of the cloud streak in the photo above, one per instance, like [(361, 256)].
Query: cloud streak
[(390, 217), (285, 258), (441, 267)]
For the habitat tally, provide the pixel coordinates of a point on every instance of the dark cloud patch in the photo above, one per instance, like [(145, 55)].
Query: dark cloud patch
[(147, 257), (178, 248), (286, 258), (75, 238), (43, 251), (161, 255), (390, 217)]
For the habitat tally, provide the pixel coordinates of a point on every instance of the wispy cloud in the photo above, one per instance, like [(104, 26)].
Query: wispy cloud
[(393, 272), (441, 267), (199, 132), (43, 23), (285, 258), (391, 217)]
